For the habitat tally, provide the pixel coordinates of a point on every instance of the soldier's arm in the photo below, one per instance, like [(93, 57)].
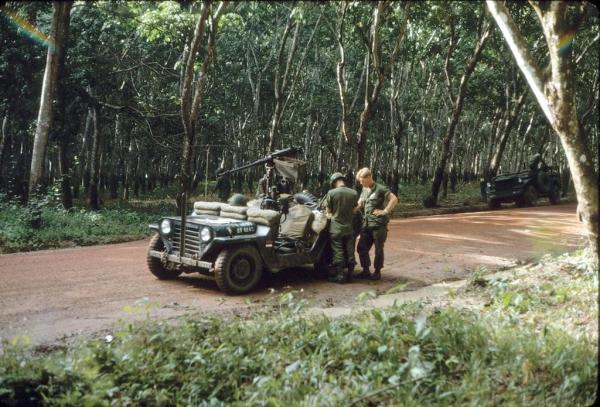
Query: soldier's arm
[(392, 201), (356, 207)]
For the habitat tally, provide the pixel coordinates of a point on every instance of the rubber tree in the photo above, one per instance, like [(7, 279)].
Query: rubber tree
[(554, 90), (192, 93), (284, 79), (456, 101), (54, 58), (515, 99), (374, 77)]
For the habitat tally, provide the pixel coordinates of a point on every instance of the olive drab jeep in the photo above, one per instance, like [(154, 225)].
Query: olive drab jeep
[(525, 187), (236, 243)]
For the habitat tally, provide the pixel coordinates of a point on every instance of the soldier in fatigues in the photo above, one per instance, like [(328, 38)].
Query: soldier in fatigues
[(340, 203), (223, 185), (375, 219)]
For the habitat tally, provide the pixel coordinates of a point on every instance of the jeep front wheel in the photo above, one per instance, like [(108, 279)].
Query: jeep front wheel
[(493, 204), (155, 265), (530, 195), (238, 270)]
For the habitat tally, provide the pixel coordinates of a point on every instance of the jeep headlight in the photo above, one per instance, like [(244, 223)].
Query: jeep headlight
[(165, 227), (205, 235), (520, 180), (488, 184)]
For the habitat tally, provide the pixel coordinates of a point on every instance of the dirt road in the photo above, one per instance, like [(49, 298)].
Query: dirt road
[(49, 294)]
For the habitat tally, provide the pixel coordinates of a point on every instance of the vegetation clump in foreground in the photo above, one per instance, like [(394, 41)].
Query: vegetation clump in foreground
[(508, 352)]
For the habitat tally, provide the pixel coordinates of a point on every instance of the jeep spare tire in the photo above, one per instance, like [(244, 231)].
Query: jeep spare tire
[(155, 265), (238, 270)]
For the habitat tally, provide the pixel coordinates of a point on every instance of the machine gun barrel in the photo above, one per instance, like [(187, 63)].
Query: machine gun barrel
[(286, 152)]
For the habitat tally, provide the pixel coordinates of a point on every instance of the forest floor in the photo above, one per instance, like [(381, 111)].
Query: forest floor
[(52, 294)]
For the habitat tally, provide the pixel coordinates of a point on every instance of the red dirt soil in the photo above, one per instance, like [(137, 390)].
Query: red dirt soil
[(50, 294)]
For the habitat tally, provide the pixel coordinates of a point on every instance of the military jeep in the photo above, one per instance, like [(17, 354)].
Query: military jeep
[(235, 244), (525, 187)]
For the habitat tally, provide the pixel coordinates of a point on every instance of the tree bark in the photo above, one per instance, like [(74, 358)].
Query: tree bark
[(556, 96), (58, 36)]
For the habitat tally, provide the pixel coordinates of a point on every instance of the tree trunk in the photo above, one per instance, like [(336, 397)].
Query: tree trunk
[(94, 200), (556, 96), (507, 129), (58, 36), (64, 153), (457, 103), (373, 60), (191, 101), (3, 143)]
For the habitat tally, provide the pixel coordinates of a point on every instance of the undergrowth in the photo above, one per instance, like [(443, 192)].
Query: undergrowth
[(58, 227), (402, 355)]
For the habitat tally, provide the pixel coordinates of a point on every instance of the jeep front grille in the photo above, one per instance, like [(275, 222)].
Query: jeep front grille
[(504, 184), (192, 240)]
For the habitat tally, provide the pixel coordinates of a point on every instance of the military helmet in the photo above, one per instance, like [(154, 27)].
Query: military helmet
[(237, 200), (335, 177)]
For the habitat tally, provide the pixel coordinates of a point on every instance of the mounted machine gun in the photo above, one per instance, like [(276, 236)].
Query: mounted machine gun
[(282, 170)]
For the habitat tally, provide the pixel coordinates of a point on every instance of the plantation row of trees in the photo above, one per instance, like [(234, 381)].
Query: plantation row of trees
[(127, 96)]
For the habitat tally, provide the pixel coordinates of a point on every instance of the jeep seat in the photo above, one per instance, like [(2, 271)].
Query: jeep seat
[(297, 223)]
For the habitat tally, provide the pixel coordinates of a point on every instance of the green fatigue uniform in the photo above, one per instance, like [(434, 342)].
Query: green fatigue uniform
[(374, 228), (341, 201)]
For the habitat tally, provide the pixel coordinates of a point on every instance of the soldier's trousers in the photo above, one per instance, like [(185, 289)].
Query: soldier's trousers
[(367, 238), (342, 247)]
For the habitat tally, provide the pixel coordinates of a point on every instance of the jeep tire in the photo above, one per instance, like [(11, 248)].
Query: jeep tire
[(554, 194), (238, 270), (530, 195), (155, 265), (493, 203)]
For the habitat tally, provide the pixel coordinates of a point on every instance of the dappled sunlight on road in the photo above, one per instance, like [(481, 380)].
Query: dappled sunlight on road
[(462, 242)]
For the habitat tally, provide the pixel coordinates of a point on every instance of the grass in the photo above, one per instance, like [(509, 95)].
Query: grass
[(410, 198), (61, 228), (403, 355)]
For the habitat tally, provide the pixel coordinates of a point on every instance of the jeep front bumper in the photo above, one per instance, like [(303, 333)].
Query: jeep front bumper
[(173, 258)]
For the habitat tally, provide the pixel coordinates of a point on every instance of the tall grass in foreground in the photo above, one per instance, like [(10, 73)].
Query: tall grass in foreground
[(396, 356)]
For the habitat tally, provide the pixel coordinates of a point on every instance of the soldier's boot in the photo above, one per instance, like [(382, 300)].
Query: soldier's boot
[(340, 276), (350, 274), (364, 274), (376, 275)]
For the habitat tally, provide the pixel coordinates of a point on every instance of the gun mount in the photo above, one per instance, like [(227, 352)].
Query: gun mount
[(282, 169)]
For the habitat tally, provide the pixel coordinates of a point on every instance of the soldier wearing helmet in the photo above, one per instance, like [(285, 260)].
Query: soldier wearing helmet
[(340, 204)]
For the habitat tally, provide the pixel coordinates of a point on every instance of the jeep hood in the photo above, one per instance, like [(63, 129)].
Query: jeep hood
[(209, 220), (504, 177)]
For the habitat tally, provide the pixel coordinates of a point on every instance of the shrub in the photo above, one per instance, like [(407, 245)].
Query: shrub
[(60, 228), (392, 356)]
